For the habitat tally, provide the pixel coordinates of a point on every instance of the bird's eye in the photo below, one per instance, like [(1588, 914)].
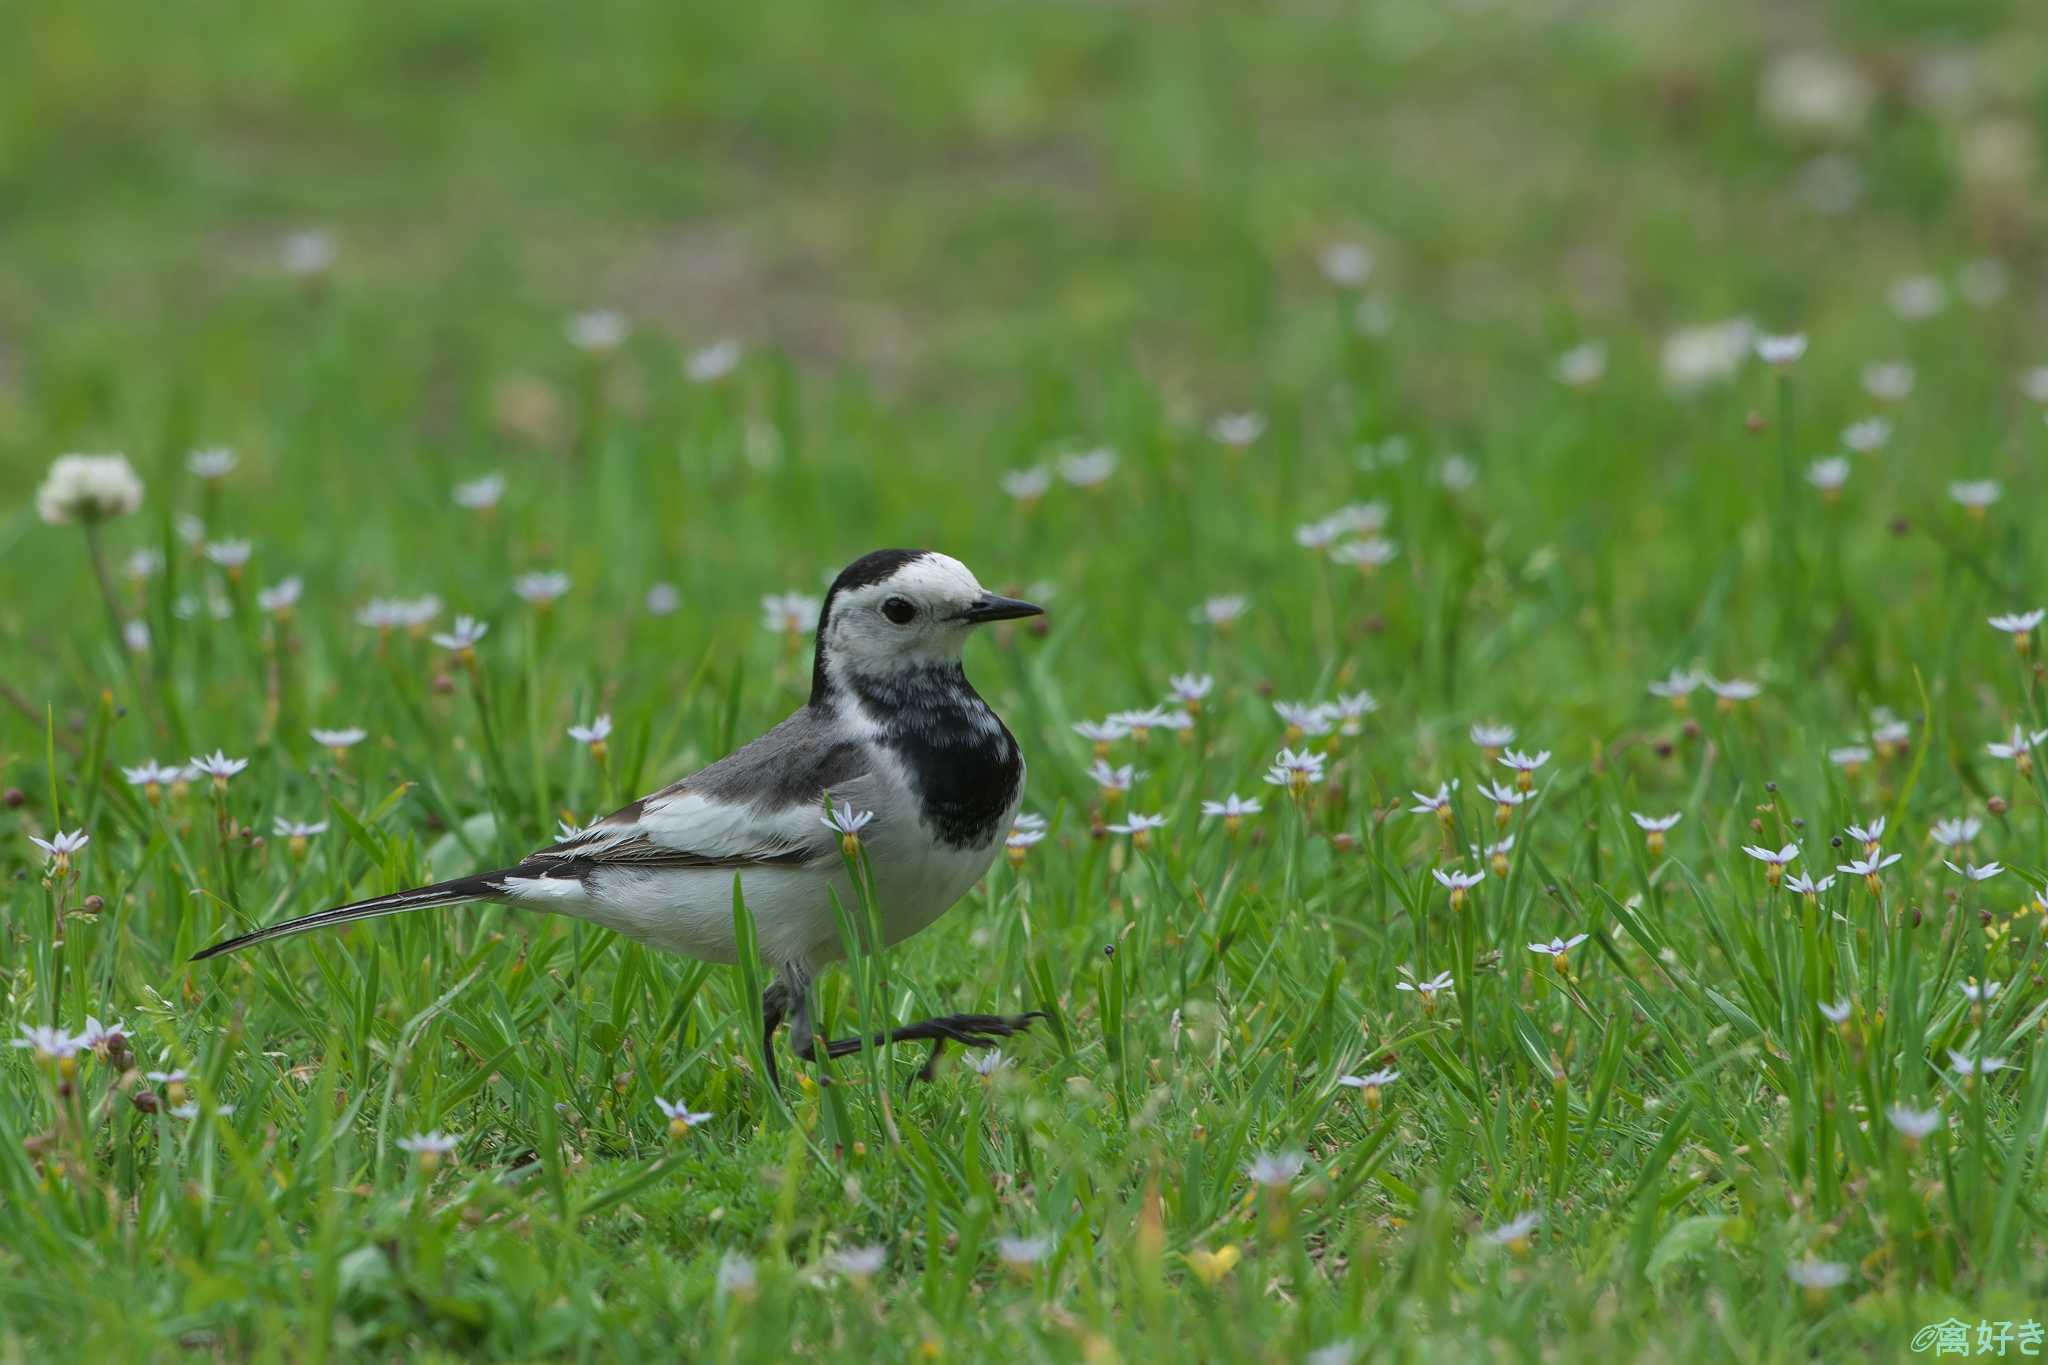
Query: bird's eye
[(899, 611)]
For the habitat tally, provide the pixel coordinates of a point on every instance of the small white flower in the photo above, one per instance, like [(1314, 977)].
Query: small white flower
[(150, 774), (1142, 719), (88, 488), (1027, 485), (51, 1044), (1917, 298), (1023, 838), (1678, 683), (1113, 779), (282, 596), (1781, 351), (1488, 736), (1582, 366), (737, 1277), (1772, 858), (1813, 1274), (1347, 265), (1296, 771), (1838, 1012), (1799, 884), (1088, 468), (1869, 834), (1655, 824), (1524, 763), (1974, 872), (599, 729), (1504, 795), (989, 1062), (2034, 384), (679, 1111), (1372, 1080), (219, 766), (214, 462), (1972, 1066), (189, 1112), (1022, 1252), (1979, 994), (1224, 610), (189, 529), (1693, 358), (1975, 494), (1189, 687), (145, 564), (846, 822), (1027, 820), (1455, 880), (1515, 1230), (1102, 731), (709, 364), (1869, 866), (1849, 755), (229, 554), (1888, 381), (1232, 807), (1872, 433), (662, 599), (598, 331), (1359, 518), (1954, 833), (339, 739), (465, 635), (298, 829), (1438, 803), (1440, 982), (1457, 473), (1305, 718), (1983, 281), (2019, 622), (2019, 746), (1275, 1170), (415, 612), (308, 252), (1557, 947), (789, 613), (1137, 825), (62, 845), (1914, 1123), (1350, 711), (1317, 535), (480, 495), (1829, 474), (420, 1144), (858, 1263), (541, 588), (1237, 429), (1373, 552)]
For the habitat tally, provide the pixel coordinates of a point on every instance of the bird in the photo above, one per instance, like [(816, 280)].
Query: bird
[(892, 731)]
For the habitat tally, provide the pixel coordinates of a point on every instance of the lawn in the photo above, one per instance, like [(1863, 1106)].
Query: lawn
[(1377, 397)]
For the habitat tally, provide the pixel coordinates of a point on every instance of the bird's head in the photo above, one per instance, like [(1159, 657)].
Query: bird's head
[(893, 610)]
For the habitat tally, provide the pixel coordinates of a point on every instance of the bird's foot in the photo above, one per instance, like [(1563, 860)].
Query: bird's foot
[(968, 1030)]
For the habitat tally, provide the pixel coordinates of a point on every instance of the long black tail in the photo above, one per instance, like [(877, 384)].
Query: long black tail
[(482, 886)]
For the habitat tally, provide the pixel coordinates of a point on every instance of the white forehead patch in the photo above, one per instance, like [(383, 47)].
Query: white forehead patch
[(935, 577)]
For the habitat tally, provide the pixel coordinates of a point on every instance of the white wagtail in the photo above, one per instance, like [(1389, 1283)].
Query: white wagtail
[(892, 727)]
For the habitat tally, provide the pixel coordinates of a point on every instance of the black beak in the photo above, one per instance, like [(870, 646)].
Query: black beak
[(993, 608)]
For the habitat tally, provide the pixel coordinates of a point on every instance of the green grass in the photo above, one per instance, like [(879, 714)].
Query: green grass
[(960, 240)]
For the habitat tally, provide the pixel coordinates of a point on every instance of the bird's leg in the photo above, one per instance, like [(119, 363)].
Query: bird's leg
[(968, 1030), (789, 997), (774, 1005)]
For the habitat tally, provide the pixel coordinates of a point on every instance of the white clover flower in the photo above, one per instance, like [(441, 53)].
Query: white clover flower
[(1347, 265), (1802, 885), (1695, 358), (213, 462), (219, 766), (1888, 381), (1027, 485), (280, 597), (1828, 474), (1975, 494), (662, 599), (88, 488), (1914, 1124), (1275, 1170), (1916, 298), (1582, 366), (1974, 872), (481, 495), (1088, 468), (308, 253), (1374, 552), (1818, 1275), (1237, 429), (465, 635), (789, 613), (1782, 351), (541, 588), (1872, 433), (1221, 612), (1837, 1013), (598, 331), (709, 364)]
